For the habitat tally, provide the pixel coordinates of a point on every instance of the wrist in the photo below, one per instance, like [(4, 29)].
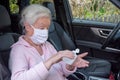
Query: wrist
[(70, 67), (48, 64)]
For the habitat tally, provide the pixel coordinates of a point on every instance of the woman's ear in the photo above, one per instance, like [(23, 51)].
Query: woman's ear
[(27, 26), (29, 30)]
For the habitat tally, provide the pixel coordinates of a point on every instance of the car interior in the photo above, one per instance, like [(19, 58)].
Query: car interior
[(59, 37), (67, 33)]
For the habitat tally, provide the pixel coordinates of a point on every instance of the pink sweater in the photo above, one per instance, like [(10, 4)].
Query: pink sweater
[(26, 63)]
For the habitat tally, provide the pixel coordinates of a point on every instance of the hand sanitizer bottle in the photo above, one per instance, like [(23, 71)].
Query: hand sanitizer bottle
[(70, 61)]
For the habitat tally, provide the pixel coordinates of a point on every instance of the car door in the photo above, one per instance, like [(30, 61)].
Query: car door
[(90, 22)]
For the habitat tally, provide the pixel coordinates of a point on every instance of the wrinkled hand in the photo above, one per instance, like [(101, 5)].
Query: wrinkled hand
[(79, 62), (58, 57)]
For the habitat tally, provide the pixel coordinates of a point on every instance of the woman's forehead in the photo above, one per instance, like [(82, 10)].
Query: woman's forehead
[(43, 20)]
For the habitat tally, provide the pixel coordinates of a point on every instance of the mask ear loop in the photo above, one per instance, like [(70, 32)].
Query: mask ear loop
[(32, 26)]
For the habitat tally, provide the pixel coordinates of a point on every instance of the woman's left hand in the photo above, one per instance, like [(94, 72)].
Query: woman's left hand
[(80, 62)]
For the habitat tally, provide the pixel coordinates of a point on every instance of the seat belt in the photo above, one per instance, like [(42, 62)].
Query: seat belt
[(65, 25), (63, 21)]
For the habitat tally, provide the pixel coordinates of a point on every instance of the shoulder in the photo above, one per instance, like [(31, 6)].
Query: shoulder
[(18, 49), (20, 46)]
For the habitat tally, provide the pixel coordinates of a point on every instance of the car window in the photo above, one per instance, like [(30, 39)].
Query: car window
[(14, 4), (14, 8), (99, 10)]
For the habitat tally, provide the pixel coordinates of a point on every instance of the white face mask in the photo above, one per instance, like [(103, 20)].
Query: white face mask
[(39, 36)]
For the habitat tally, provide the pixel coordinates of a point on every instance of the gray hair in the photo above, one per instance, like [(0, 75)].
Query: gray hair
[(32, 12)]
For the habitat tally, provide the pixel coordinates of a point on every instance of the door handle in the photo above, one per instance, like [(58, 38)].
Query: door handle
[(104, 32)]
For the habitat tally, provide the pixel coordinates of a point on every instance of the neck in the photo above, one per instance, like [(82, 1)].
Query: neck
[(30, 41), (37, 47)]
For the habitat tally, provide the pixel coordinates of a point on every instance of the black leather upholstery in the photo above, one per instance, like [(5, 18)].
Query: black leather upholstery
[(52, 9), (4, 72), (59, 38), (4, 17), (7, 38), (61, 41)]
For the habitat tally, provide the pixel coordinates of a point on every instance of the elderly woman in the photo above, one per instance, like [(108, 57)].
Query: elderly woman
[(34, 58)]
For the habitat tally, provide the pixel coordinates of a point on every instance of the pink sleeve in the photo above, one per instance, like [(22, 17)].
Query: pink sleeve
[(19, 66), (66, 71), (63, 65)]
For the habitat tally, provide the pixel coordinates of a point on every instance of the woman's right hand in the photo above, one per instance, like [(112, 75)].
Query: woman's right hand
[(58, 57)]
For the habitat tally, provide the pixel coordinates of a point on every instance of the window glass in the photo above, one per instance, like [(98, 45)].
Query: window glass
[(41, 2), (14, 8), (99, 10)]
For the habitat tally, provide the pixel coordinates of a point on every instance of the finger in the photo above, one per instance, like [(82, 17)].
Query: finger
[(80, 60), (87, 62), (82, 65), (83, 54)]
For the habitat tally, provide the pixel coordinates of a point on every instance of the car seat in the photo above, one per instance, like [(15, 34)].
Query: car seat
[(7, 38)]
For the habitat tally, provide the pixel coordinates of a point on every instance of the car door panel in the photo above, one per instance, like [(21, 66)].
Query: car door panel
[(101, 32), (90, 30), (90, 35), (82, 28)]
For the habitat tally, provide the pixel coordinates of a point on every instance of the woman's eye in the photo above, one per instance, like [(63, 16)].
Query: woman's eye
[(42, 28)]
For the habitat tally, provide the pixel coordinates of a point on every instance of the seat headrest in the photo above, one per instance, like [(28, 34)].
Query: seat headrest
[(6, 41), (50, 6), (4, 17), (52, 27)]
